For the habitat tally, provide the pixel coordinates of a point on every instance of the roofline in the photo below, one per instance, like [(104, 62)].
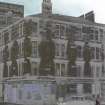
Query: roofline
[(11, 3), (89, 22), (5, 28)]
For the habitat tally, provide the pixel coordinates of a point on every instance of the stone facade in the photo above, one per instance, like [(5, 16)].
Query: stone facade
[(30, 91), (80, 31), (10, 13)]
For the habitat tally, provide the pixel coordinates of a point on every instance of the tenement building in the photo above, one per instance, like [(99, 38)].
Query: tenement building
[(9, 13), (68, 49)]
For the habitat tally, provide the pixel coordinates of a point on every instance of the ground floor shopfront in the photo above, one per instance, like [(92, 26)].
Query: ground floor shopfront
[(48, 90)]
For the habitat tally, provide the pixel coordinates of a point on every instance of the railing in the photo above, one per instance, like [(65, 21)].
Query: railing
[(6, 103), (82, 98), (57, 79), (28, 77)]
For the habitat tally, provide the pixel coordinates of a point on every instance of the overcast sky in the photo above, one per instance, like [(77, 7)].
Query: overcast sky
[(66, 7)]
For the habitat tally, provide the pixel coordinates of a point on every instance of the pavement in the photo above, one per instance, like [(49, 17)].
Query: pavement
[(77, 103)]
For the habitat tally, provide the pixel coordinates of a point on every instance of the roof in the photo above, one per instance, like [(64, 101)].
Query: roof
[(70, 19), (7, 3)]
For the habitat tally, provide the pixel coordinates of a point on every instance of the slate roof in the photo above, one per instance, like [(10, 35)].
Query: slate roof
[(70, 19)]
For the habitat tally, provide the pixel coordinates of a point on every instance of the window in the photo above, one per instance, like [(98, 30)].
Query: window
[(58, 69), (92, 69), (97, 53), (22, 48), (85, 29), (89, 33), (0, 56), (101, 51), (63, 69), (62, 50), (19, 49), (29, 95), (41, 24), (0, 39), (57, 50), (87, 88), (85, 38), (34, 49), (22, 68), (79, 70), (14, 32), (103, 90), (6, 53), (78, 34), (9, 20), (20, 94), (97, 71), (92, 52), (72, 89), (87, 70), (34, 68), (91, 37), (21, 29), (73, 72), (37, 96), (34, 27), (53, 88), (62, 30), (6, 36), (103, 70), (101, 34), (57, 30), (79, 52), (2, 20), (96, 35), (2, 36)]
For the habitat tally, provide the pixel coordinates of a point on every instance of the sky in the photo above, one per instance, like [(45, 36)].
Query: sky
[(66, 7)]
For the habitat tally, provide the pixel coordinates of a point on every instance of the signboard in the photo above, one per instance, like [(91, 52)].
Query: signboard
[(29, 92)]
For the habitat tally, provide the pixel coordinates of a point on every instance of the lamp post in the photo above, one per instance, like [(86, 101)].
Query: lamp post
[(97, 100)]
